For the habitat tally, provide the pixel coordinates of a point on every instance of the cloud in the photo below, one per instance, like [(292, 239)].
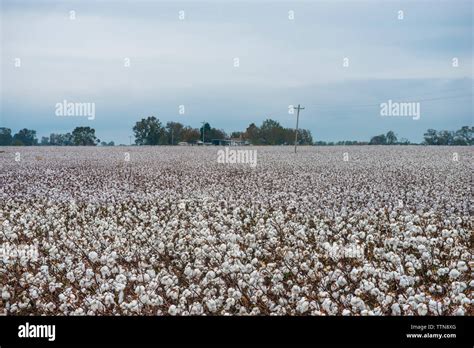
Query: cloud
[(190, 62)]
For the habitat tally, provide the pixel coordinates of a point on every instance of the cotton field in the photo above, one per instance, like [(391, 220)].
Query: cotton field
[(357, 230)]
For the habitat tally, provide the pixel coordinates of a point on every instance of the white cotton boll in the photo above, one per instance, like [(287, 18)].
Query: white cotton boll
[(188, 271), (93, 256), (196, 309), (435, 307), (120, 299), (302, 306), (161, 247), (442, 271), (109, 299), (211, 305), (237, 295), (404, 281), (341, 281), (422, 309), (5, 295), (295, 290), (426, 256), (140, 289), (461, 266), (255, 311), (34, 293), (104, 270), (454, 273), (70, 276), (395, 309), (459, 311), (346, 312), (229, 303), (357, 303), (173, 310)]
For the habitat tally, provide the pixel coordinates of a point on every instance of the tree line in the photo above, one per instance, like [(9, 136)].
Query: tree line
[(80, 136), (150, 131), (463, 136)]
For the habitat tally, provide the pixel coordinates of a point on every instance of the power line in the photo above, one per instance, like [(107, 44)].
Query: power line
[(348, 106), (332, 106)]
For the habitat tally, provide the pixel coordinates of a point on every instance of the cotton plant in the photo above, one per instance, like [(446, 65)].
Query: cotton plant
[(174, 232)]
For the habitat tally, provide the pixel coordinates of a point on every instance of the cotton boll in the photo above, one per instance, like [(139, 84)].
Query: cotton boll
[(188, 272), (105, 271), (229, 303), (93, 256), (461, 266), (211, 305), (404, 281), (5, 295), (454, 273), (422, 309), (341, 281), (196, 309), (295, 290), (357, 303), (109, 299), (173, 310), (442, 271), (395, 309)]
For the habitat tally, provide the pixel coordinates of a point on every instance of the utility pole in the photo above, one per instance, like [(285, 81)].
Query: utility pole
[(130, 137), (172, 135), (297, 120)]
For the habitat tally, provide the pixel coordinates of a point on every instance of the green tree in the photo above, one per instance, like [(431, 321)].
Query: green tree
[(148, 131), (304, 137), (431, 137), (252, 134), (44, 141), (189, 134), (61, 139), (5, 136), (378, 140), (217, 134), (272, 132), (174, 132), (84, 136), (25, 137), (391, 138), (404, 141), (236, 135), (445, 137), (464, 136), (207, 132)]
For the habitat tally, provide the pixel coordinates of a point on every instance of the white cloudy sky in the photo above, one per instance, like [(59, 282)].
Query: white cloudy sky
[(282, 62)]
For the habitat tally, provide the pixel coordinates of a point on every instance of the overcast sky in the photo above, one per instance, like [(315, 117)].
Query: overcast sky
[(190, 62)]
